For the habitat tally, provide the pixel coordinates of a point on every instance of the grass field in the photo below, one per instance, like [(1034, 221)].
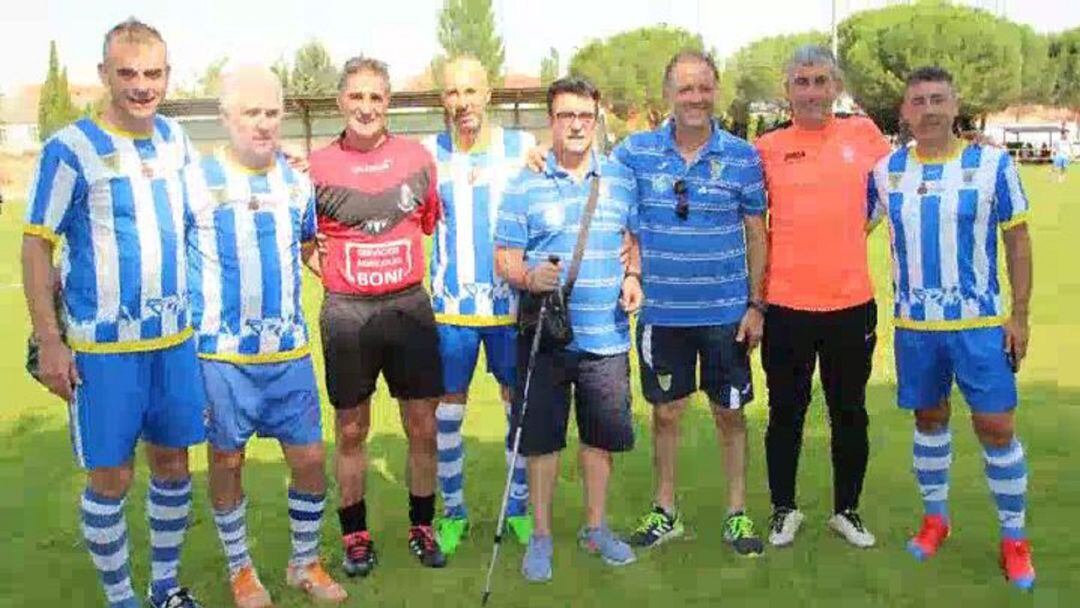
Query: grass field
[(44, 564)]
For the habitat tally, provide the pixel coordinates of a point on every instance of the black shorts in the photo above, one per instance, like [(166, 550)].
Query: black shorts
[(601, 386), (393, 334), (669, 362), (844, 340)]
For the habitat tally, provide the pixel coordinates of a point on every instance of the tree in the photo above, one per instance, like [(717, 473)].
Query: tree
[(210, 81), (1064, 53), (312, 71), (628, 68), (755, 73), (467, 27), (55, 107), (983, 52), (1036, 73), (281, 68), (549, 68)]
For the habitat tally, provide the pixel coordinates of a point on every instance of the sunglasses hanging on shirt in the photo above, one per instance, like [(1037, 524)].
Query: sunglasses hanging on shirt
[(682, 198)]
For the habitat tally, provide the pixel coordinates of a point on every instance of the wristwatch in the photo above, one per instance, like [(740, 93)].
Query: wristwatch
[(759, 305)]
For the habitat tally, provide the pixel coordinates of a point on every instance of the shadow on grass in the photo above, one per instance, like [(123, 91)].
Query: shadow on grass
[(45, 564)]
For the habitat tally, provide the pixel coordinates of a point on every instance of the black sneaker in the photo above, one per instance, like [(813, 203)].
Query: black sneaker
[(739, 533), (656, 527), (181, 598), (360, 556), (423, 545)]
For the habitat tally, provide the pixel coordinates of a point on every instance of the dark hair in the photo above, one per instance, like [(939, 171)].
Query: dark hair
[(690, 55), (575, 86), (928, 73)]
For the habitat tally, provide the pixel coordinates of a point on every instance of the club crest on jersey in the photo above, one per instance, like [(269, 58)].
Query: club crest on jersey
[(111, 162), (408, 202), (894, 180), (219, 195), (969, 176), (661, 183), (848, 154), (716, 169)]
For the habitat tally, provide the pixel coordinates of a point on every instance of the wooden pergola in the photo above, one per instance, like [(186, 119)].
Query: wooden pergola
[(308, 106)]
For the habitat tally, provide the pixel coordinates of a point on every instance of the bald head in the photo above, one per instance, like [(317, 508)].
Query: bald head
[(251, 110), (465, 94), (247, 84)]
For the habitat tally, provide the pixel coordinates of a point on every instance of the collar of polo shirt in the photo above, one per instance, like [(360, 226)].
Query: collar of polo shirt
[(552, 168), (716, 140)]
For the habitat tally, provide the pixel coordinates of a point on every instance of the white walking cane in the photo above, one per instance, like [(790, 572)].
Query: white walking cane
[(517, 444)]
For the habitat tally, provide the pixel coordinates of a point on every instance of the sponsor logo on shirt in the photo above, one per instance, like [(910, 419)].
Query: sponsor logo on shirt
[(376, 168), (794, 156), (378, 264)]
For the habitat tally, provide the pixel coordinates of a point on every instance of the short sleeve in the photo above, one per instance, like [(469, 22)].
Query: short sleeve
[(432, 209), (308, 226), (1010, 202), (58, 183), (875, 205), (752, 186), (512, 225)]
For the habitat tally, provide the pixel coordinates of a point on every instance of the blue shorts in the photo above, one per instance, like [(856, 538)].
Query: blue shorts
[(154, 395), (927, 362), (275, 400), (1061, 162), (459, 347)]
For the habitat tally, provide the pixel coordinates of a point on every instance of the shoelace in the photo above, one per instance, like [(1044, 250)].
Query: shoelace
[(426, 537), (652, 521), (931, 534), (180, 599), (317, 575), (1019, 550), (359, 551), (855, 520), (741, 526), (776, 522)]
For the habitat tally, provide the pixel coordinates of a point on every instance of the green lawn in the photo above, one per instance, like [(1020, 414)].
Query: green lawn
[(44, 563)]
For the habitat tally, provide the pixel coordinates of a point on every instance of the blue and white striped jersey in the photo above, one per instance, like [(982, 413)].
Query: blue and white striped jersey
[(464, 287), (244, 260), (944, 216), (118, 200)]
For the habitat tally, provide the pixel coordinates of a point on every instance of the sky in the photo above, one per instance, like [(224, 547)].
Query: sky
[(403, 32)]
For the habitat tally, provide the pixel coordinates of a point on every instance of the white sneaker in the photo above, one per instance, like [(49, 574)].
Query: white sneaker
[(783, 525), (849, 525)]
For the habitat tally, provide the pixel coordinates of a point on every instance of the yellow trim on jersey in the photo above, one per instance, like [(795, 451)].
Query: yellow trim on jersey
[(949, 325), (953, 154), (229, 159), (482, 143), (113, 130), (131, 346), (279, 357), (43, 232), (1019, 218), (474, 320)]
